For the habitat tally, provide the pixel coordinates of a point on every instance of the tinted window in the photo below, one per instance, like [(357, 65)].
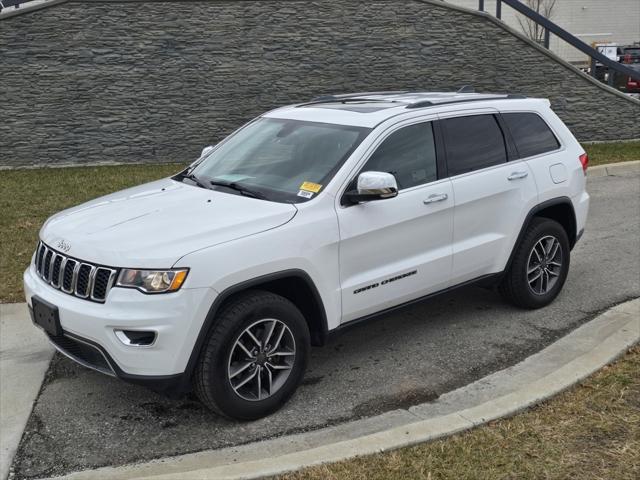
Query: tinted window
[(531, 134), (409, 154), (473, 143)]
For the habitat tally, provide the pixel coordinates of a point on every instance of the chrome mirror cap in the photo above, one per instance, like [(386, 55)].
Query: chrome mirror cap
[(380, 184), (373, 186)]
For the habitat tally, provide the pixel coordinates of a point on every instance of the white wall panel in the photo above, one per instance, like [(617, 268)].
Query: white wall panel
[(615, 21)]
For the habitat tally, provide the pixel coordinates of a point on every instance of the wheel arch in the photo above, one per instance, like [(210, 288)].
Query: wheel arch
[(294, 284), (559, 209)]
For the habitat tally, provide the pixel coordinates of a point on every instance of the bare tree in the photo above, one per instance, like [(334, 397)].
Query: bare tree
[(530, 28)]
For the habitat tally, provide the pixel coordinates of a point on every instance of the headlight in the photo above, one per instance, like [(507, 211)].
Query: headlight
[(152, 281)]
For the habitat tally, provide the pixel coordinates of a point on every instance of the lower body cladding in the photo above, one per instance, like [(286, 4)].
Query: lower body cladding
[(144, 339)]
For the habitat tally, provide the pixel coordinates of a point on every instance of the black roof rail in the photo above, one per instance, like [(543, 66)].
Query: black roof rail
[(421, 103), (363, 97), (429, 103)]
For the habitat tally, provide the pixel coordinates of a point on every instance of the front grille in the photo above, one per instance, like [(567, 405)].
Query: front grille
[(83, 353), (46, 270), (101, 283), (82, 283), (73, 276), (55, 272), (68, 274)]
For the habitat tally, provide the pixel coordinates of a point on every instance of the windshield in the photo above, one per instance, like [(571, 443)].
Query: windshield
[(280, 160)]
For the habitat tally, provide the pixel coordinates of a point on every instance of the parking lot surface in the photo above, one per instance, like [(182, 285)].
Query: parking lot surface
[(83, 419)]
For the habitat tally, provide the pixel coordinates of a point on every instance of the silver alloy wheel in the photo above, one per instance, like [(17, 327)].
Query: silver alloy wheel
[(544, 265), (261, 359)]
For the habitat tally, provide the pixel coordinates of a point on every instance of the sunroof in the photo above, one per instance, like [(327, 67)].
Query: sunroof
[(364, 107)]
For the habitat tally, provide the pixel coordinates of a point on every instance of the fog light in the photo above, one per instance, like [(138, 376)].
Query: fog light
[(136, 338)]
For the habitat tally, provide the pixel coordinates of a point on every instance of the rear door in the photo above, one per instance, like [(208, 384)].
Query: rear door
[(493, 192), (398, 249), (539, 147)]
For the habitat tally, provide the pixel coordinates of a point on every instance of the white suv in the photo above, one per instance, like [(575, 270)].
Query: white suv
[(306, 220)]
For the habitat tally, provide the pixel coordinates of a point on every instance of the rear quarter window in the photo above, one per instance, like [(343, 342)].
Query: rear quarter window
[(531, 134)]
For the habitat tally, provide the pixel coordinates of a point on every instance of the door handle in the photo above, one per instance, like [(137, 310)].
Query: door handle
[(517, 176), (436, 198)]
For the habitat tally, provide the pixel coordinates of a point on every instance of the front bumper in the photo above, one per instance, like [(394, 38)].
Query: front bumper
[(90, 327)]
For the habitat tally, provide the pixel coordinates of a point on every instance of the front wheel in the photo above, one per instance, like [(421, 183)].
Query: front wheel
[(539, 267), (255, 357)]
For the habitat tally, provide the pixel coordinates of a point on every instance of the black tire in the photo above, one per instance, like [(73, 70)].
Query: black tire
[(211, 379), (515, 286)]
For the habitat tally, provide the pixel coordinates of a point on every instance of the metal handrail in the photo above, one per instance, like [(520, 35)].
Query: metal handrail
[(10, 8), (560, 32)]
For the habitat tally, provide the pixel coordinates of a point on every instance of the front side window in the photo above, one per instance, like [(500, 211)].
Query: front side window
[(409, 154), (531, 134), (281, 160), (473, 143)]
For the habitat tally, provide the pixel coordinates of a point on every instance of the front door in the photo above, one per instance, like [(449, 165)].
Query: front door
[(398, 249)]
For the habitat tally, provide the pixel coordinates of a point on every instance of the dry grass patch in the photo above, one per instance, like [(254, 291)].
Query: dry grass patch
[(603, 153), (589, 432)]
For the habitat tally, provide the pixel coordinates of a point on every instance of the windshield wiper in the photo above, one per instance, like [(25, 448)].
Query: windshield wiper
[(239, 188), (195, 180)]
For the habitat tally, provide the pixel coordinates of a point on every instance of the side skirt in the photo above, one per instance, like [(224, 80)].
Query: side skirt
[(486, 281)]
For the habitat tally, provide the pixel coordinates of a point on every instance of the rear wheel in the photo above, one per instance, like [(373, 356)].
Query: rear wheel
[(539, 267), (255, 357)]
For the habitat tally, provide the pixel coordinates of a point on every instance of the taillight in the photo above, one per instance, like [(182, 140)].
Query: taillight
[(584, 160)]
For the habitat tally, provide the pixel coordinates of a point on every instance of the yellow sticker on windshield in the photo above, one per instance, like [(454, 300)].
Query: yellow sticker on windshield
[(310, 187)]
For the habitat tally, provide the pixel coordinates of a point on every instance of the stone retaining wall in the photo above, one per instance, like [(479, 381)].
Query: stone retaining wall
[(147, 81)]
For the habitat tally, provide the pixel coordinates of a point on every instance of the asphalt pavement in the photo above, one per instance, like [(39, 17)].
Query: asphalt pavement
[(83, 419)]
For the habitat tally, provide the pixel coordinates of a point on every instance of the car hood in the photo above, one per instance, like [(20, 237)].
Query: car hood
[(154, 225)]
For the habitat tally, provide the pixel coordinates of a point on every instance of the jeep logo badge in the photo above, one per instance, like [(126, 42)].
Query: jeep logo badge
[(64, 246)]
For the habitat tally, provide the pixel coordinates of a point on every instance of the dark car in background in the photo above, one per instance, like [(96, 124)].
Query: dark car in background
[(630, 57)]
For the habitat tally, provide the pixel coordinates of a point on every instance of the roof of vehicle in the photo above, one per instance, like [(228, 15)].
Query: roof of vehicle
[(368, 109)]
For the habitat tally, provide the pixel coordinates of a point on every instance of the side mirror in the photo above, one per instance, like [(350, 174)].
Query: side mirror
[(206, 150), (373, 186)]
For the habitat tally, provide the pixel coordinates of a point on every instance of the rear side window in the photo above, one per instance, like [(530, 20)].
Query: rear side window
[(531, 134), (473, 143)]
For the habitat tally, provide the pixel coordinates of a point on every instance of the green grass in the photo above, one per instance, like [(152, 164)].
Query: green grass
[(590, 432), (29, 197), (602, 153)]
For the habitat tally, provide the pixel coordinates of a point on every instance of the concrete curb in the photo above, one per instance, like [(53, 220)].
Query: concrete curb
[(24, 360), (620, 168), (504, 393)]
